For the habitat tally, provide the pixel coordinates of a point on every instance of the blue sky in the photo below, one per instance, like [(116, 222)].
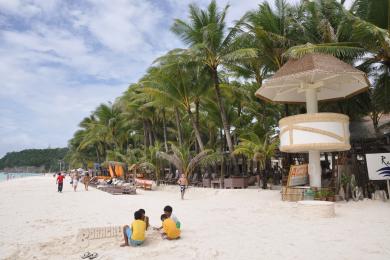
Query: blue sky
[(61, 58)]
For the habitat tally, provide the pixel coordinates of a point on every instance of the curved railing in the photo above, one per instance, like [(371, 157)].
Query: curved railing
[(318, 131)]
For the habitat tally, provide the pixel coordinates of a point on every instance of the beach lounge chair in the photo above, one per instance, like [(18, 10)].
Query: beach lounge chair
[(144, 184), (116, 186), (118, 190)]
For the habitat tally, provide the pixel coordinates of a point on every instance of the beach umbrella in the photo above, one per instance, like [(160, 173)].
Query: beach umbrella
[(313, 78)]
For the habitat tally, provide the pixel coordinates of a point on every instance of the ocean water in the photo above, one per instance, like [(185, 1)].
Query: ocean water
[(10, 176)]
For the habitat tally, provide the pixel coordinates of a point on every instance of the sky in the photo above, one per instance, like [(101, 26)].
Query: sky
[(61, 58)]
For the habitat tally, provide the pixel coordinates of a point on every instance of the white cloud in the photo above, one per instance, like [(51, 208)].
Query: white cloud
[(60, 59)]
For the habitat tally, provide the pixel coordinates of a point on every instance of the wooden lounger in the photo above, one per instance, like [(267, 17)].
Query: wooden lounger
[(145, 184), (118, 190)]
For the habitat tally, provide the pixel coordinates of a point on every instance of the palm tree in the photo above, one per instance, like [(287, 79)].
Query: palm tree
[(372, 30), (152, 161), (138, 115), (259, 150), (178, 86), (211, 46), (184, 161), (360, 34), (270, 33)]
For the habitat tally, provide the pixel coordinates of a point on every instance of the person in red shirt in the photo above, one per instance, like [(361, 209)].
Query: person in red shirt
[(60, 181)]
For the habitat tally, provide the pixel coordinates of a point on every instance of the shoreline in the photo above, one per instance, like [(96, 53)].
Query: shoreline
[(8, 176), (216, 224)]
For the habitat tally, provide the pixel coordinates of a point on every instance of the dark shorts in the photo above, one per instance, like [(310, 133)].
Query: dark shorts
[(182, 188)]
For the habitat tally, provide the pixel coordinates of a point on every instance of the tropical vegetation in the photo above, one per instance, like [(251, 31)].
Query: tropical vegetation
[(198, 101), (49, 159)]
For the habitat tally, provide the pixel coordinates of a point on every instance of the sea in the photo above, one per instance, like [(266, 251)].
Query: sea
[(10, 176)]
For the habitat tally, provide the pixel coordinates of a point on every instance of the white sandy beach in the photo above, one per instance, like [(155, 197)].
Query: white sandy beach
[(36, 222)]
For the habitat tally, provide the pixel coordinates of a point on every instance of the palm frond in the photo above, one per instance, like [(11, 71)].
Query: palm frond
[(340, 50)]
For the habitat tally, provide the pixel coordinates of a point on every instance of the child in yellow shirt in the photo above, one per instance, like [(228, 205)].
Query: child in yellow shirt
[(170, 230), (144, 218), (135, 235)]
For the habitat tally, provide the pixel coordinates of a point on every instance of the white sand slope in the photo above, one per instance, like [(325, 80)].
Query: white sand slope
[(36, 222)]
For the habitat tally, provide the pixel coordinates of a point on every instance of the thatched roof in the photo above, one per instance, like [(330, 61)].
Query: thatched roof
[(315, 61)]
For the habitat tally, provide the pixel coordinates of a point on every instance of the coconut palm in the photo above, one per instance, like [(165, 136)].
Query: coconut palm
[(178, 86), (211, 45), (360, 34), (183, 159), (139, 116), (257, 149), (270, 33), (152, 161)]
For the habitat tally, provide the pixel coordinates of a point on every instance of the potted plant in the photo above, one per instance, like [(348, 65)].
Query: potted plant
[(321, 194), (317, 195), (330, 196)]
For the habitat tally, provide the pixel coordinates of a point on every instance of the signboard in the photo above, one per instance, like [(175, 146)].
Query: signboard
[(378, 166), (298, 175)]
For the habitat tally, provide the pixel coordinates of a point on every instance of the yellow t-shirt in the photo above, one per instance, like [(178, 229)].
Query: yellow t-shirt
[(169, 227), (138, 228)]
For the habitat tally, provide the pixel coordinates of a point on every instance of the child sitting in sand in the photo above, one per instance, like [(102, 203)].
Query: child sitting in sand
[(168, 212), (135, 235), (144, 218), (170, 231)]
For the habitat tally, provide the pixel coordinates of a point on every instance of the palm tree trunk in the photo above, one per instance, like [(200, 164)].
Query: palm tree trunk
[(150, 134), (146, 143), (165, 130), (197, 113), (196, 130), (179, 133), (258, 171), (250, 166), (225, 122), (197, 123), (221, 137), (259, 79), (97, 154), (244, 165)]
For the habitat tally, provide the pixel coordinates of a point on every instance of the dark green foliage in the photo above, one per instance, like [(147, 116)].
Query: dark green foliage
[(203, 96), (34, 157)]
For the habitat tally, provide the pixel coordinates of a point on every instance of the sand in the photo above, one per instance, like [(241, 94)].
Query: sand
[(36, 222)]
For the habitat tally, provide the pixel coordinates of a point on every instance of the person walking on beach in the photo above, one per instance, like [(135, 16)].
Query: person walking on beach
[(183, 183), (75, 180), (60, 182), (86, 180)]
